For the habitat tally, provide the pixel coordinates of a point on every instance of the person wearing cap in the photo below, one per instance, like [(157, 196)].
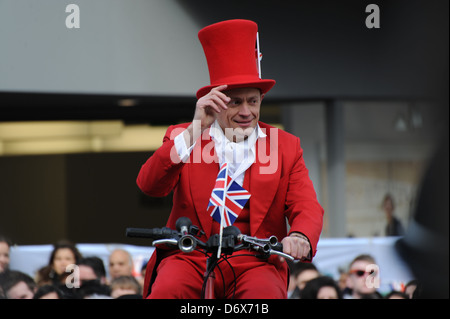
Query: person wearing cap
[(264, 160)]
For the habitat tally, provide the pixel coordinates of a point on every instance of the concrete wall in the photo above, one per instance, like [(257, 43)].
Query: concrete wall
[(313, 49), (132, 47)]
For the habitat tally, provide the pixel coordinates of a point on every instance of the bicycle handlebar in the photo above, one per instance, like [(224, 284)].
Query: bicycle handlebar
[(185, 239)]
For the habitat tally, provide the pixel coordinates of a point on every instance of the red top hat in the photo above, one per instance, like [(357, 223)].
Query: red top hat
[(232, 55)]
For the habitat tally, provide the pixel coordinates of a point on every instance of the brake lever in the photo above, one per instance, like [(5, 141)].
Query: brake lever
[(281, 254), (169, 242), (267, 246), (252, 240)]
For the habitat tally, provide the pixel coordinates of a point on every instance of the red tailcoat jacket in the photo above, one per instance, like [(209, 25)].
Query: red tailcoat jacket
[(279, 184)]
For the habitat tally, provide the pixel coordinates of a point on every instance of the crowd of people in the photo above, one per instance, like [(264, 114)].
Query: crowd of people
[(53, 281), (358, 282), (59, 279)]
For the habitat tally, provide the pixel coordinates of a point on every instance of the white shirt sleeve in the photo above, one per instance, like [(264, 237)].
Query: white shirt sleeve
[(182, 150)]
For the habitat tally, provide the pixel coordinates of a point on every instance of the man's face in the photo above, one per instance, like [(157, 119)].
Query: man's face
[(119, 264), (242, 114), (4, 256), (86, 273), (358, 279)]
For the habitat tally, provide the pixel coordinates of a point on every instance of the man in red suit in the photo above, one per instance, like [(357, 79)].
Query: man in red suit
[(264, 160)]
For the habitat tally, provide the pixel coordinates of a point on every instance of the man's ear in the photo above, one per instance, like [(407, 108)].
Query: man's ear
[(262, 96)]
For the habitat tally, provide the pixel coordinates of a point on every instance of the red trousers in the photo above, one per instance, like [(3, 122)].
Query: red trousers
[(180, 276)]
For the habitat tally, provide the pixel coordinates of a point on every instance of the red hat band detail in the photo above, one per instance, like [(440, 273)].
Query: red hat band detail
[(229, 48)]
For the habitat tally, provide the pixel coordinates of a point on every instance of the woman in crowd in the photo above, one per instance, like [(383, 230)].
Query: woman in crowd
[(64, 253)]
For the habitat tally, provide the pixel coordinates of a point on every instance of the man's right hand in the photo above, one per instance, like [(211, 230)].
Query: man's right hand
[(213, 102), (206, 108)]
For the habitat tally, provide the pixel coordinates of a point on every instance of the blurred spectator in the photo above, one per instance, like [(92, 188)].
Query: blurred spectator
[(304, 272), (93, 281), (323, 287), (363, 278), (92, 268), (93, 289), (49, 292), (141, 278), (342, 281), (292, 275), (64, 253), (396, 295), (425, 247), (393, 225), (17, 285), (125, 285), (5, 246), (120, 264), (410, 288)]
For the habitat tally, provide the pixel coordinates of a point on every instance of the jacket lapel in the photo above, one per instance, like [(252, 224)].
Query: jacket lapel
[(203, 171), (264, 181)]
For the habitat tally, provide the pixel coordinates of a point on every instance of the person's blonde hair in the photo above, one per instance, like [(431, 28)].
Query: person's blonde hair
[(125, 282)]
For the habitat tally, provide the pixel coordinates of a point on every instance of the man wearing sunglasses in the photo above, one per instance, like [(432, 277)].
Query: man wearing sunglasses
[(363, 278)]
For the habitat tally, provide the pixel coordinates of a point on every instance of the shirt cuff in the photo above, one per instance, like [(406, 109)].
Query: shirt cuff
[(182, 150)]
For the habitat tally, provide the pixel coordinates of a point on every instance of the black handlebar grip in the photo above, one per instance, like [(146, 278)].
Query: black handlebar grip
[(139, 232)]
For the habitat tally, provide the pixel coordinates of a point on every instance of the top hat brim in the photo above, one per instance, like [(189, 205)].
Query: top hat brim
[(264, 85)]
